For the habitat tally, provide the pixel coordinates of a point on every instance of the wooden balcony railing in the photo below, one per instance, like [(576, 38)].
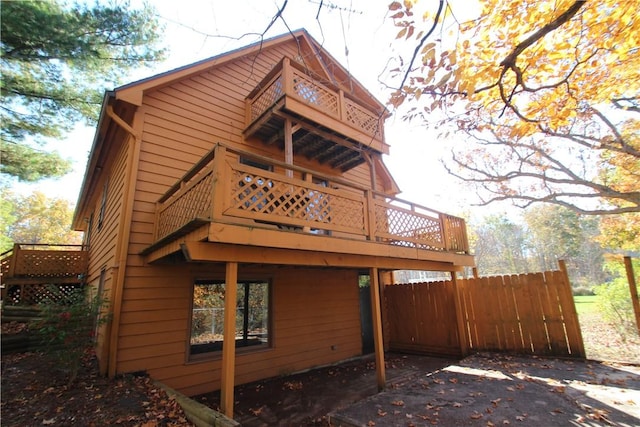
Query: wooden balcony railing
[(41, 261), (220, 188), (289, 80), (28, 269)]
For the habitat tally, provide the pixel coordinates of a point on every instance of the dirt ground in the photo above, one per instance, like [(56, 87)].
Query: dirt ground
[(36, 393)]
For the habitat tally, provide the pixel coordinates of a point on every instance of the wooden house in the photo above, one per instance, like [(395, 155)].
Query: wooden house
[(230, 207)]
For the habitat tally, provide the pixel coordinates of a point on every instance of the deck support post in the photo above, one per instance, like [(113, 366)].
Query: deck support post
[(229, 340), (376, 315)]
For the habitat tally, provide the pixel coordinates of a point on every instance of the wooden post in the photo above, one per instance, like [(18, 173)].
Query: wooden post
[(371, 216), (287, 77), (342, 110), (13, 261), (377, 326), (219, 183), (288, 146), (569, 313), (229, 340), (444, 224), (633, 289), (460, 318)]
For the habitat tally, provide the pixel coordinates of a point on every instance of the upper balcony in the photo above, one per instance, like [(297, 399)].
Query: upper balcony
[(240, 204), (329, 123)]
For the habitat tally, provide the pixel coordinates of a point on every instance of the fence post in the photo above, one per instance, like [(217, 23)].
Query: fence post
[(633, 289), (460, 319), (569, 312)]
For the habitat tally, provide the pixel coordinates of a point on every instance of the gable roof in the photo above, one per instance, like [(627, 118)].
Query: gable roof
[(315, 57)]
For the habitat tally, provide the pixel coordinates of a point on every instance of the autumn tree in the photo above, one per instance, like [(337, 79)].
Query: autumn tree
[(35, 219), (543, 97), (558, 233), (501, 246), (56, 62)]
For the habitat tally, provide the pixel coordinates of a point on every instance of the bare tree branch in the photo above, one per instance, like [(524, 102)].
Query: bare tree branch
[(424, 38)]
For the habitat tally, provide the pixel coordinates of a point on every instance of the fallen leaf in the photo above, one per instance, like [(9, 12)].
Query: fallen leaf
[(457, 405), (381, 413), (397, 403), (476, 416), (48, 422), (495, 402)]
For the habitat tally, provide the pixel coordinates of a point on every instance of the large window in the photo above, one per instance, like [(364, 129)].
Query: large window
[(207, 319)]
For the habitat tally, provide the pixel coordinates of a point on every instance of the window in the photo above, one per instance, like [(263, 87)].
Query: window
[(103, 204), (207, 319), (87, 234)]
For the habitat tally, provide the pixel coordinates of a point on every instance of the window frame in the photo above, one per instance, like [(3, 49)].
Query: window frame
[(103, 204), (217, 352)]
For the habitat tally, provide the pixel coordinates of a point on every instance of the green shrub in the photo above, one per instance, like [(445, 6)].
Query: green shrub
[(583, 291), (69, 326), (614, 303)]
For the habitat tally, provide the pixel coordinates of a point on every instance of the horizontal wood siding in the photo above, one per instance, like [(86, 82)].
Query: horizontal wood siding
[(315, 321), (315, 312)]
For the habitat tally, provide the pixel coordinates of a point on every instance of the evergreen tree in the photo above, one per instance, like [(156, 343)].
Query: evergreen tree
[(56, 62)]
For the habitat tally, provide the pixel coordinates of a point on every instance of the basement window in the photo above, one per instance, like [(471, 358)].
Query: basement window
[(207, 316)]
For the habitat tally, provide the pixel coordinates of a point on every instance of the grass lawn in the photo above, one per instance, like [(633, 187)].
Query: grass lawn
[(586, 304)]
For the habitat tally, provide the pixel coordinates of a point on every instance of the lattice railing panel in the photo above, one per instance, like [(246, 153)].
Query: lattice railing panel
[(5, 263), (283, 202), (361, 118), (50, 263), (408, 228), (267, 98), (316, 94), (188, 204), (36, 294)]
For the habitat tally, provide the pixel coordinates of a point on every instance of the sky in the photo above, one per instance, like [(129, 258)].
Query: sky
[(355, 32)]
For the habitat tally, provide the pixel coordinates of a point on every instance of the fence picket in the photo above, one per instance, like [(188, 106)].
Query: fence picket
[(532, 314)]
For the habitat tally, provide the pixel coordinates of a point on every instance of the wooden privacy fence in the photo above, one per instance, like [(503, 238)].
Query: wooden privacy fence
[(529, 313), (421, 318)]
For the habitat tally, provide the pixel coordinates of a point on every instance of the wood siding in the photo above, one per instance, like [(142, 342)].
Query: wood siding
[(182, 122), (315, 321), (102, 246)]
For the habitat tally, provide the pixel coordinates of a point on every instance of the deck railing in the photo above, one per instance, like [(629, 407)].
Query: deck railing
[(44, 261), (290, 79), (220, 188), (28, 268)]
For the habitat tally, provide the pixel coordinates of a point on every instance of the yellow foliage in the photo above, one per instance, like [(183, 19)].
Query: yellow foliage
[(589, 56)]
